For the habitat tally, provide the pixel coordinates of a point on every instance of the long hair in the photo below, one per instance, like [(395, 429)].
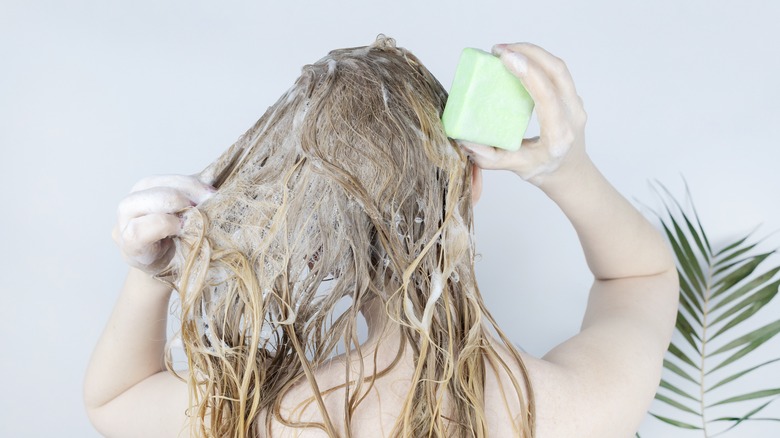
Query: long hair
[(347, 189)]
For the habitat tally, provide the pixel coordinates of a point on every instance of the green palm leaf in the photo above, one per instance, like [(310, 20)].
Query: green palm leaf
[(748, 416), (719, 290), (740, 374)]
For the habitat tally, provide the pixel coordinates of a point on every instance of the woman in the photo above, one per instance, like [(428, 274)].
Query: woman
[(347, 194)]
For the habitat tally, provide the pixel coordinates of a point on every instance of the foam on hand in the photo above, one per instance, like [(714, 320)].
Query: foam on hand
[(487, 104)]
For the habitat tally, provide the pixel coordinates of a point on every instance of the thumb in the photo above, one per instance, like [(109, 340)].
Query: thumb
[(530, 143), (486, 157)]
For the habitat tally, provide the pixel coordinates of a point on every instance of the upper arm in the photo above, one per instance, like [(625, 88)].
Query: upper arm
[(613, 365), (155, 407)]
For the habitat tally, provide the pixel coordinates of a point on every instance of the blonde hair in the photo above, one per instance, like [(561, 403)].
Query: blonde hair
[(347, 183)]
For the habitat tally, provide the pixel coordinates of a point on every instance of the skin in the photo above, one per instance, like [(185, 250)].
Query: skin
[(599, 383)]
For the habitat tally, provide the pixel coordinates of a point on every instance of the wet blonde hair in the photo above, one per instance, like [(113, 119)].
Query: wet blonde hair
[(346, 187)]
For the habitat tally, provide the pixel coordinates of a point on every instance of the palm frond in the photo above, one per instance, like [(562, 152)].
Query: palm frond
[(719, 291), (747, 417)]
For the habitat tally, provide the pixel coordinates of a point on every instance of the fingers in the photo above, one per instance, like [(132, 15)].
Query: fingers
[(485, 157), (488, 157), (193, 188), (549, 106), (147, 218), (559, 109), (142, 238), (554, 67), (165, 200)]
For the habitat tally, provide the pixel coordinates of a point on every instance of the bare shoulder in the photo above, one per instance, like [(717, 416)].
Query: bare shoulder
[(600, 382)]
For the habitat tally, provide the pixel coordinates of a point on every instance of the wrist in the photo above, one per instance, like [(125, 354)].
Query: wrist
[(150, 286), (572, 176)]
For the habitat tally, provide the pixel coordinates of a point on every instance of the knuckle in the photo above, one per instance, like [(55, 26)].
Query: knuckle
[(566, 136), (166, 199), (130, 233), (577, 111), (165, 222), (524, 44), (579, 104), (173, 192), (157, 220), (559, 65), (580, 117), (179, 200), (583, 117)]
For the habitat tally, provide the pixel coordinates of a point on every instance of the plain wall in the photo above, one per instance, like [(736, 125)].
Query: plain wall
[(96, 95)]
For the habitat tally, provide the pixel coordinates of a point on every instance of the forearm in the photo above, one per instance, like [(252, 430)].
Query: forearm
[(617, 240), (132, 345)]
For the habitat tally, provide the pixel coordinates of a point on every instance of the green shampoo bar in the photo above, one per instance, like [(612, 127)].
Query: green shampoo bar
[(487, 104)]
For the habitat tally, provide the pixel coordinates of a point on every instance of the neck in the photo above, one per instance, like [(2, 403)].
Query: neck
[(384, 337), (379, 325)]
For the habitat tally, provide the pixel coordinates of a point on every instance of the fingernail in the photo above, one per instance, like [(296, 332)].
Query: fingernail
[(499, 49), (211, 188)]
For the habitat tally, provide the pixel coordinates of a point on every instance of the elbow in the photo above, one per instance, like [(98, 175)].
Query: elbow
[(94, 408), (669, 295), (90, 396), (104, 420), (666, 257), (96, 419), (664, 261), (669, 262), (674, 298), (93, 414)]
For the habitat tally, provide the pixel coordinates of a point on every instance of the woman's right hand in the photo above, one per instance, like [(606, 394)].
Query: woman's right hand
[(561, 143), (150, 215)]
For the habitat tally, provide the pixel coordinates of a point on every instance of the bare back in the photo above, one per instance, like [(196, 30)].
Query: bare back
[(375, 416), (599, 383)]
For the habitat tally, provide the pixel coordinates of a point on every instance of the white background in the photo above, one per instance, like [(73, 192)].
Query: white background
[(95, 95)]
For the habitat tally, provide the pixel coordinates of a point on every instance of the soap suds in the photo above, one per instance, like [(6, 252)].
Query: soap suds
[(332, 66), (385, 96), (437, 286)]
